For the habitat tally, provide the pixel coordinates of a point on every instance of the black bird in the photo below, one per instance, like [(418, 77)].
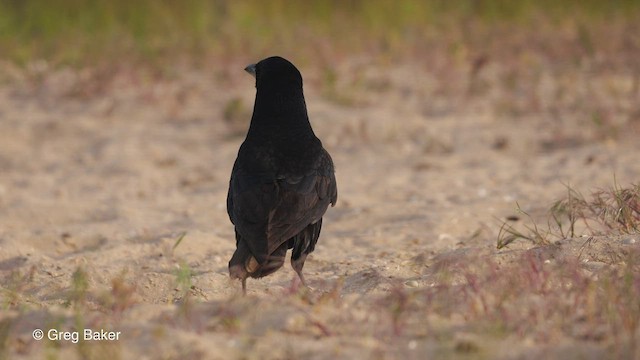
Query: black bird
[(282, 181)]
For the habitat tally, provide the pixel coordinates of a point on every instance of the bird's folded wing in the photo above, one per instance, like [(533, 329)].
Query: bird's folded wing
[(268, 209), (300, 202)]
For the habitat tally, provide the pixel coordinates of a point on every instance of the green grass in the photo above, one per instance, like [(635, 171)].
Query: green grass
[(85, 32)]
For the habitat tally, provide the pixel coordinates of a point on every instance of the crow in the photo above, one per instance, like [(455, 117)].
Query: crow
[(282, 181)]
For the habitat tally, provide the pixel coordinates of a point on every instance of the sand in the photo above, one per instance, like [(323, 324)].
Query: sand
[(105, 177)]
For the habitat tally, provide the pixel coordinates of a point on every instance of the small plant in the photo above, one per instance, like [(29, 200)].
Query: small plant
[(5, 331), (619, 209), (398, 304), (79, 287), (611, 211), (533, 233), (120, 297), (183, 287), (14, 286), (179, 240), (183, 277)]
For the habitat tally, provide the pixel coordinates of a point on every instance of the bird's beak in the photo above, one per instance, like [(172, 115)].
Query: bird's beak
[(251, 69)]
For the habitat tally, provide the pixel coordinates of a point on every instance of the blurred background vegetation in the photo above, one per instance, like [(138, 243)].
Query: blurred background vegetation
[(86, 32)]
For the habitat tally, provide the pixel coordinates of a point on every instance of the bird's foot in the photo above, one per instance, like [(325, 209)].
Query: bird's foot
[(298, 283)]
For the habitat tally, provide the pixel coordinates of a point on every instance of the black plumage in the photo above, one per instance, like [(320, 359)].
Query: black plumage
[(282, 181)]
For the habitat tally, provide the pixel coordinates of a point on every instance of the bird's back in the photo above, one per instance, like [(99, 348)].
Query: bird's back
[(282, 180)]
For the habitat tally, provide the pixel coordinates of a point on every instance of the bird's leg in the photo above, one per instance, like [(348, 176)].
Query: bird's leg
[(244, 286), (304, 283), (297, 266)]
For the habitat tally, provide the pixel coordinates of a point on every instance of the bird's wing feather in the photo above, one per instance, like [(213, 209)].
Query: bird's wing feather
[(303, 200), (268, 210)]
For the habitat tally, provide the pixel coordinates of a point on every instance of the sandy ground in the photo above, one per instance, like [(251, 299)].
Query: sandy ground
[(106, 179)]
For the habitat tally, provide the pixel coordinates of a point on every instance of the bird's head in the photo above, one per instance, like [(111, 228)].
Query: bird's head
[(275, 72)]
